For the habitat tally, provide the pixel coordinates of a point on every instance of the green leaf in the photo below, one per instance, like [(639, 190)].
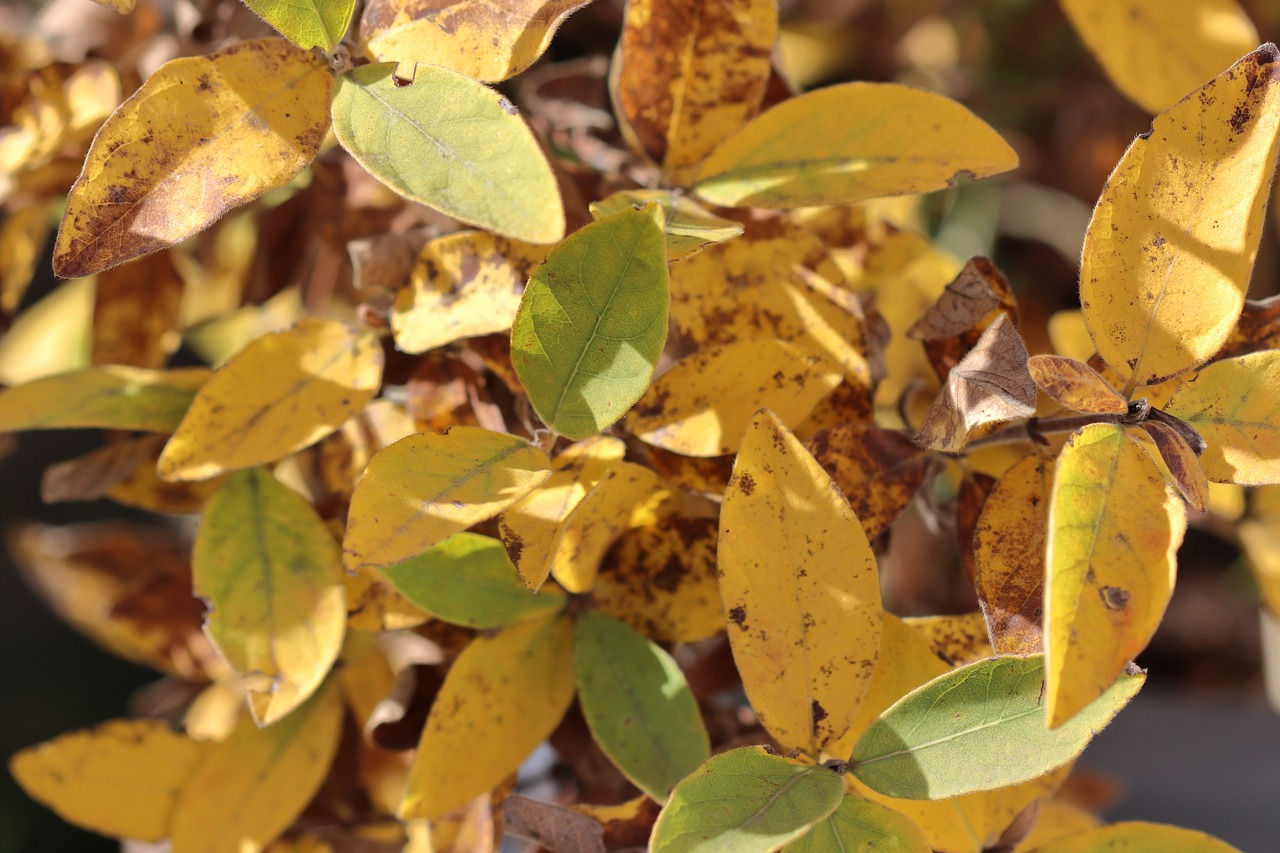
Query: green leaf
[(307, 23), (593, 322), (638, 705), (272, 574), (924, 746), (745, 801), (111, 397), (451, 143), (862, 826), (468, 579), (690, 227)]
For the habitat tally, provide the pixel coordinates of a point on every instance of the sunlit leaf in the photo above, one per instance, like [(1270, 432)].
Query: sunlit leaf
[(593, 321), (956, 638), (1075, 385), (121, 778), (848, 143), (861, 826), (130, 398), (452, 144), (690, 227), (1156, 51), (685, 77), (1138, 835), (280, 394), (485, 40), (1114, 530), (203, 135), (309, 23), (468, 579), (1171, 245), (502, 697), (252, 786), (923, 746), (792, 559), (1234, 406), (745, 801), (638, 705), (272, 574)]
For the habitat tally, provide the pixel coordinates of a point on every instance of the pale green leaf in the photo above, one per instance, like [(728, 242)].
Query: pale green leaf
[(307, 23), (862, 826), (111, 397), (593, 322), (451, 143)]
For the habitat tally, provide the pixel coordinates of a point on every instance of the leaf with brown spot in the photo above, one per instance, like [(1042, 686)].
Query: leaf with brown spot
[(1181, 461), (687, 75), (553, 827), (703, 404), (1075, 385), (1009, 555), (463, 285), (970, 303), (989, 385), (135, 313), (482, 39), (794, 561), (690, 227), (974, 490), (661, 580), (706, 475), (626, 825), (202, 136), (958, 640), (878, 470)]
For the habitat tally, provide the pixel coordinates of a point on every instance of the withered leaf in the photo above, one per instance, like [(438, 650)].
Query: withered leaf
[(1182, 462), (556, 828), (1075, 385), (877, 470), (975, 292), (991, 384), (974, 490), (95, 474)]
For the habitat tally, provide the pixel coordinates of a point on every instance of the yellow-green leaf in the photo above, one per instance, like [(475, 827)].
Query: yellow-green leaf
[(1234, 406), (852, 142), (502, 697), (121, 778), (481, 39), (463, 285), (793, 561), (111, 397), (272, 574), (280, 394), (251, 787), (468, 580), (686, 76), (638, 705), (923, 747), (690, 226), (745, 801), (451, 143), (702, 405), (307, 23), (1114, 530), (1138, 835), (427, 487), (203, 135), (1156, 51), (859, 825), (593, 322), (1171, 245)]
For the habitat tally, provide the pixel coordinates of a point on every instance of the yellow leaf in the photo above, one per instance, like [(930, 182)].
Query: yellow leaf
[(1260, 540), (143, 488), (1171, 245), (1114, 530), (1156, 51), (121, 778), (1139, 835), (463, 285), (374, 604), (1075, 384), (427, 487), (282, 393), (702, 405), (50, 337), (661, 580), (111, 397), (272, 575), (686, 76), (1070, 336), (957, 639), (485, 40), (203, 135), (793, 561), (121, 7), (22, 240), (628, 495), (366, 677), (1057, 819), (252, 786), (530, 528), (852, 142), (502, 697), (214, 714)]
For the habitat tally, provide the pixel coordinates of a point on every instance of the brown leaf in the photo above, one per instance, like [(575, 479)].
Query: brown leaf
[(707, 475), (135, 314), (877, 470), (95, 474), (967, 307), (1182, 462), (556, 828), (1075, 385), (1009, 555), (974, 490), (989, 385), (627, 826)]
